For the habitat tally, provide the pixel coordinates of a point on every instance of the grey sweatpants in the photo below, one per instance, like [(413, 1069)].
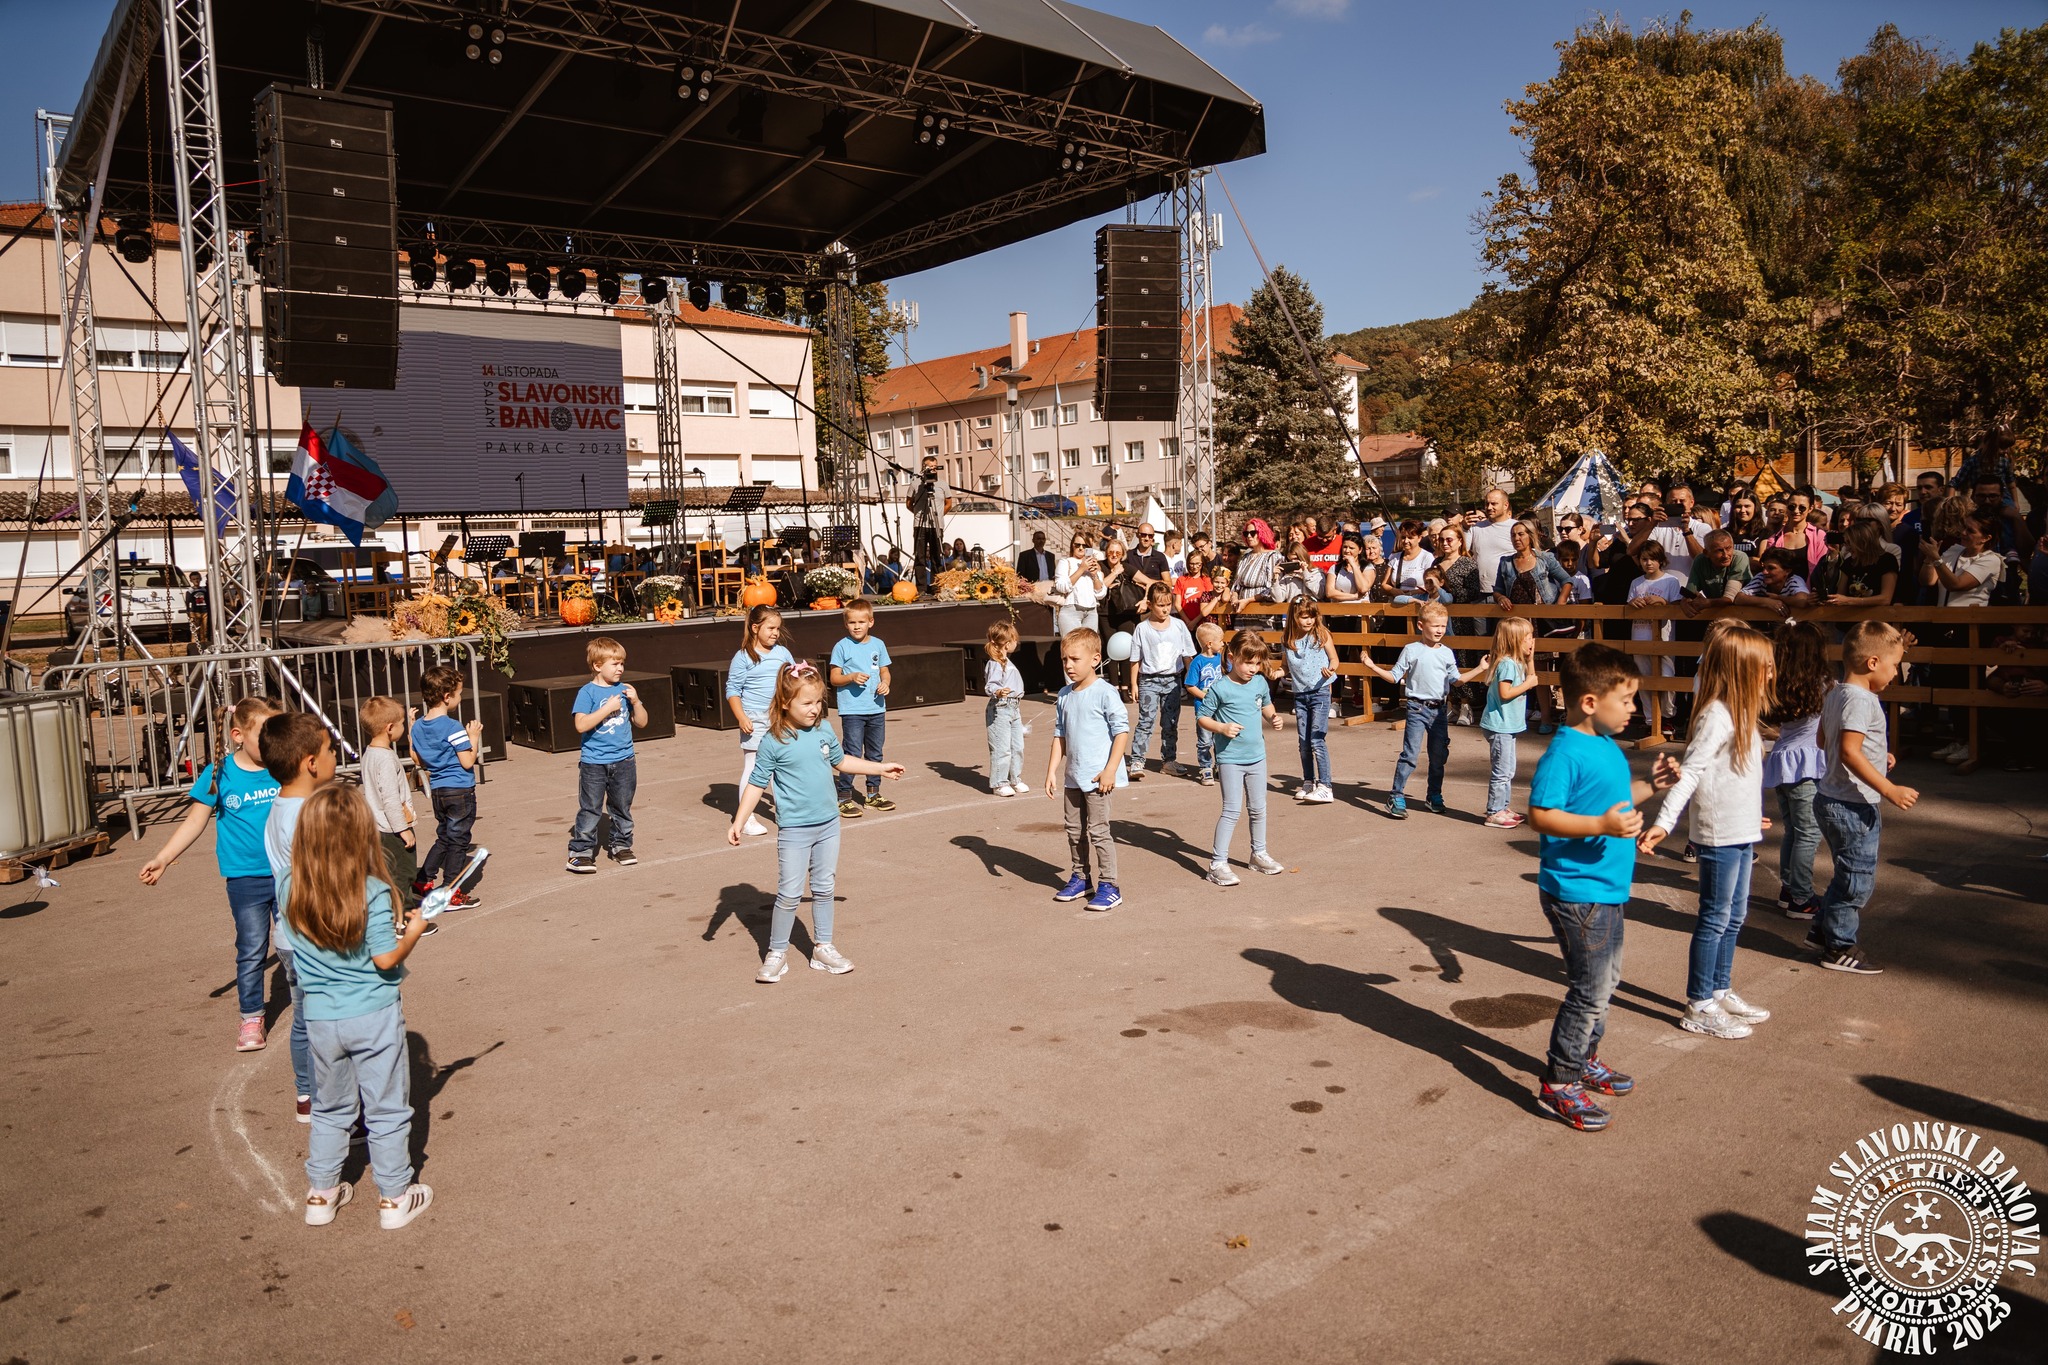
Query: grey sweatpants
[(1087, 815)]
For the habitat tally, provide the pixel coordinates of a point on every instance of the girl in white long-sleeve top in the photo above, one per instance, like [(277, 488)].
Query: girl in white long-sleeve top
[(1722, 778), (1004, 686)]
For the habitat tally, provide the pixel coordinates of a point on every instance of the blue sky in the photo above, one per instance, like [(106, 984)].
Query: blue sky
[(1384, 122)]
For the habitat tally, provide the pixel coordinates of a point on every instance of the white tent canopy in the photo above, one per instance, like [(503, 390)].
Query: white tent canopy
[(1592, 487)]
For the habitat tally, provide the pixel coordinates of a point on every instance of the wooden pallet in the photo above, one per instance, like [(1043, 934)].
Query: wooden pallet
[(14, 870)]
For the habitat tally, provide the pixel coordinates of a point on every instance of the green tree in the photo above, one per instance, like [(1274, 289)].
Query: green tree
[(875, 329), (1279, 446), (1393, 393)]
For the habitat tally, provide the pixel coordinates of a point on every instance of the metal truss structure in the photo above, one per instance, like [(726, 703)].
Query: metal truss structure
[(1197, 406), (653, 255), (668, 431), (840, 453)]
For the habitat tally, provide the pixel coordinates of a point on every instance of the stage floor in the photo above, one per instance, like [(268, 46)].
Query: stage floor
[(1018, 1132)]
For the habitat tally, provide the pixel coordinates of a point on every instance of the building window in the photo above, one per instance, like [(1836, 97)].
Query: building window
[(6, 460), (1011, 465), (640, 396), (1169, 498), (905, 438), (712, 400), (1169, 448), (1010, 422), (931, 450), (1070, 458), (1101, 455), (133, 464), (763, 401), (931, 428), (1070, 413), (1134, 451), (984, 443), (984, 423), (990, 483), (1040, 461), (1039, 417), (882, 441)]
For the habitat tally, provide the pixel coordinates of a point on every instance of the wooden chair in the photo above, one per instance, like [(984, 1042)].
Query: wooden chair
[(717, 583)]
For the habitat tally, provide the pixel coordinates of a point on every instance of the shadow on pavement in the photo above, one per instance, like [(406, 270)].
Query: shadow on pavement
[(1950, 1107), (972, 778), (998, 860), (1357, 996), (428, 1081), (1445, 938), (2004, 880), (754, 909), (1163, 843)]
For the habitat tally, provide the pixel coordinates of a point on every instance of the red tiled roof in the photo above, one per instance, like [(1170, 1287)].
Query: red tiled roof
[(1378, 449), (1067, 359)]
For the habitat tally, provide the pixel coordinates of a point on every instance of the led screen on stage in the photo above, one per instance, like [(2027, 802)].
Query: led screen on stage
[(495, 411)]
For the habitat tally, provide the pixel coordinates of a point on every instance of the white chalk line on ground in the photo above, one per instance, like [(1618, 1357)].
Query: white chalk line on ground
[(227, 1100)]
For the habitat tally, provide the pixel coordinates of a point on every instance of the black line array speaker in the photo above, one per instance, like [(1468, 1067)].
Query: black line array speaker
[(1137, 314), (542, 711), (330, 239)]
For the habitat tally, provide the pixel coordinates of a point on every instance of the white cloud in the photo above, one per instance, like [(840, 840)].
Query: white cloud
[(1426, 192), (1317, 9), (1216, 35)]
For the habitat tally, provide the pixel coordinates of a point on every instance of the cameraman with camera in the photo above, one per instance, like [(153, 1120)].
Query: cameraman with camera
[(927, 502)]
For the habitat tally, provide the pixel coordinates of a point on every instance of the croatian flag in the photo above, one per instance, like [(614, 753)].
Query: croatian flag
[(223, 487), (334, 481)]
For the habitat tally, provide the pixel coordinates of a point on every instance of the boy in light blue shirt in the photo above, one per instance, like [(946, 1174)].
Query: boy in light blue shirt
[(606, 710), (1091, 732), (860, 692), (1426, 669), (1204, 669)]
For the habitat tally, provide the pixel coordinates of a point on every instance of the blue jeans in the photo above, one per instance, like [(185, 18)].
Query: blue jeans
[(1431, 720), (1802, 837), (454, 815), (1205, 750), (1851, 829), (804, 852), (360, 1064), (1244, 789), (302, 1056), (1312, 735), (1500, 776), (1159, 699), (861, 737), (1590, 936), (599, 785), (253, 900), (1005, 741), (1724, 904)]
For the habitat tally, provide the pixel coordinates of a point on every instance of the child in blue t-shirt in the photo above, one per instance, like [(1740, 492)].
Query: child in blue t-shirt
[(860, 691), (237, 788), (1582, 803), (799, 755), (1426, 669), (750, 687), (1091, 732), (1507, 712), (446, 751), (1235, 707), (606, 710), (1203, 669)]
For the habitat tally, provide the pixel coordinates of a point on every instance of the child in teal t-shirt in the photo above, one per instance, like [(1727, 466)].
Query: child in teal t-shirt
[(1234, 707), (1506, 714)]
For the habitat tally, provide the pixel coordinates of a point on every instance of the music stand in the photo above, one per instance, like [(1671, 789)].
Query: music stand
[(745, 500), (838, 542)]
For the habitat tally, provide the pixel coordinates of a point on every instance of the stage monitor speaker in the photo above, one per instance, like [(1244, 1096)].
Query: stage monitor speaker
[(919, 675), (1137, 312), (330, 238), (542, 710), (700, 696)]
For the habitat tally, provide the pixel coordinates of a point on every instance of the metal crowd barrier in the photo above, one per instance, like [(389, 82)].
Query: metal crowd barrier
[(152, 724)]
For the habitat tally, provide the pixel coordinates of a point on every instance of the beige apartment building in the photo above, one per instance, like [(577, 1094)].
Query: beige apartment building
[(740, 422), (955, 407)]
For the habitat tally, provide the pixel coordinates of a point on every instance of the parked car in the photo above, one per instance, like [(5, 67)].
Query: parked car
[(1052, 505), (152, 602)]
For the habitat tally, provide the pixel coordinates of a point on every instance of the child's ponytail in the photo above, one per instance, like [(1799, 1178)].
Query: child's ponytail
[(1513, 639)]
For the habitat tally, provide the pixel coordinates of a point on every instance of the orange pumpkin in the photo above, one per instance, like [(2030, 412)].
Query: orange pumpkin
[(758, 592), (904, 591), (669, 609), (578, 611), (824, 604)]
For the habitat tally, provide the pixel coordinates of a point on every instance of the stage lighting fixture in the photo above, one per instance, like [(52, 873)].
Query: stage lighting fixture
[(932, 128), (1070, 156), (775, 301), (134, 240), (420, 262), (498, 277), (539, 282), (608, 285), (734, 297), (831, 135), (693, 81), (484, 41), (571, 281), (700, 295), (653, 289), (815, 299), (461, 273)]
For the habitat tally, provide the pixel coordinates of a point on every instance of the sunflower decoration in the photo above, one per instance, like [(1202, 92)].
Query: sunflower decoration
[(464, 621), (984, 591)]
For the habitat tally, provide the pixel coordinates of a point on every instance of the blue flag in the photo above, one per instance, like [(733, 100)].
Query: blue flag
[(223, 487)]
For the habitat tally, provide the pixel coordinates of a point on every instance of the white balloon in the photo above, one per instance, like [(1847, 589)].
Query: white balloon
[(1120, 646)]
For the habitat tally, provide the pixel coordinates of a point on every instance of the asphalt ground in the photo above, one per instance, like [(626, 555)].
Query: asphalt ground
[(1291, 1120)]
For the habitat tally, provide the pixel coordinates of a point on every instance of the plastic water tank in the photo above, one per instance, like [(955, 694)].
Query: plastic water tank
[(44, 798)]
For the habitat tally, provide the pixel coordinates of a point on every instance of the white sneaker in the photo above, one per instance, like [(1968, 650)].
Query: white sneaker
[(1268, 864), (1321, 796), (1006, 790), (393, 1214), (1741, 1009), (753, 826), (1020, 789), (826, 958), (1952, 753), (773, 967), (320, 1209), (1305, 792), (1709, 1018), (1221, 875)]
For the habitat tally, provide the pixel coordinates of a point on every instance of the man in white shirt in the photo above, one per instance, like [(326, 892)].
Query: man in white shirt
[(1680, 533), (1491, 538)]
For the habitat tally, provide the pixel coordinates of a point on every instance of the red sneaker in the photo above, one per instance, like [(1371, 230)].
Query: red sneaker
[(462, 900)]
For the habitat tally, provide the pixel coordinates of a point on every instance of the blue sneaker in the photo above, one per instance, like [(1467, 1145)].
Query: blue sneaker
[(1106, 897), (1075, 888), (1397, 808), (1571, 1103), (1434, 805), (1605, 1079)]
